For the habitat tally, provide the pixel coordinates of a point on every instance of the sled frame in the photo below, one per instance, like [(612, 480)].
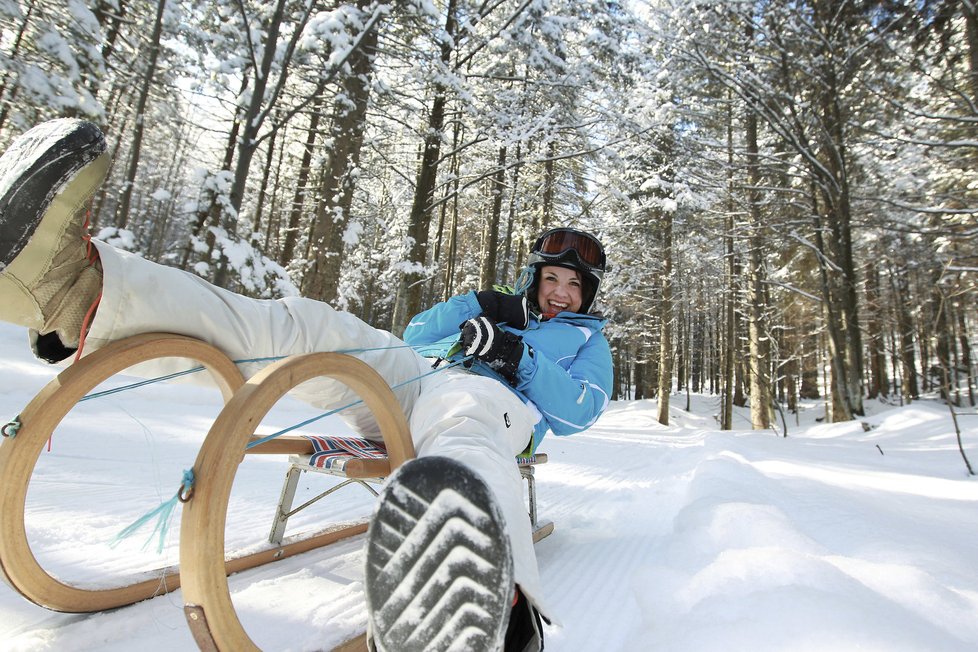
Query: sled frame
[(299, 464), (208, 607)]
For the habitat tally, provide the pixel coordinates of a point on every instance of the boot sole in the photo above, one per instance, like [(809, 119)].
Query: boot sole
[(34, 170), (439, 572)]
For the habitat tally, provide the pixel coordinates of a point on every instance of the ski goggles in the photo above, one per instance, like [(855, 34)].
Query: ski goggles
[(562, 244)]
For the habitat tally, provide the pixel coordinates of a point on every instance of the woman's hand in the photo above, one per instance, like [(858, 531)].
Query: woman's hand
[(510, 309), (499, 349)]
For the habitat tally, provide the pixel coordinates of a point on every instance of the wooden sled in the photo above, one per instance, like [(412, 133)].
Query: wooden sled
[(208, 608)]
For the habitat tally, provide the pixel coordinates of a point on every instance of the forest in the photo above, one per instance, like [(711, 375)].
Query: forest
[(787, 189)]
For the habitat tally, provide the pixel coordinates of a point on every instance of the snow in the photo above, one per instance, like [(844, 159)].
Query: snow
[(674, 538)]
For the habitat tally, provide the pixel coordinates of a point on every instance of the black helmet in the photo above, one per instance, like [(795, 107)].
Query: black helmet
[(573, 249)]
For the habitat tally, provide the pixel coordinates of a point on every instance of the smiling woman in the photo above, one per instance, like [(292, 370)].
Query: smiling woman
[(571, 249), (524, 374)]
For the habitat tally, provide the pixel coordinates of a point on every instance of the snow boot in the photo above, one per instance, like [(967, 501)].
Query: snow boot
[(439, 570), (49, 275)]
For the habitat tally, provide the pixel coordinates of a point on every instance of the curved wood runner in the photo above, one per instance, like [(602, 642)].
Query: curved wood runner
[(208, 605), (19, 455)]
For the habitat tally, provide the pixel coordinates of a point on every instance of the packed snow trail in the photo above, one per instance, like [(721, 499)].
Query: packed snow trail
[(679, 538)]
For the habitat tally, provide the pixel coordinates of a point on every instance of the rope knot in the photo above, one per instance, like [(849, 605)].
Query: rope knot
[(186, 490), (11, 428)]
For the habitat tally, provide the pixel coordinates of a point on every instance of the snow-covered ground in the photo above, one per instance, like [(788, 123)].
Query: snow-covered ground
[(667, 538)]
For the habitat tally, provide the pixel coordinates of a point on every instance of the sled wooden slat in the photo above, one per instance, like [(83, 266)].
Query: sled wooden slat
[(208, 605), (280, 446), (328, 536), (363, 468), (542, 531), (357, 644), (19, 455)]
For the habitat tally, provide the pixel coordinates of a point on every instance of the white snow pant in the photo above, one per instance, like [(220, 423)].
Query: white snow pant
[(470, 418)]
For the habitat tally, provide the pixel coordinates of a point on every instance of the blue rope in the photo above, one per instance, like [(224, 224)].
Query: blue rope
[(142, 383), (274, 435), (193, 370), (164, 512), (11, 428)]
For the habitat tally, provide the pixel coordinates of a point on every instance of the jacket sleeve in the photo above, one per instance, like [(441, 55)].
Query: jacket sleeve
[(441, 320), (570, 400)]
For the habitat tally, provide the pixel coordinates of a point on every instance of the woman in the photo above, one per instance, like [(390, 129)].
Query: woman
[(537, 362)]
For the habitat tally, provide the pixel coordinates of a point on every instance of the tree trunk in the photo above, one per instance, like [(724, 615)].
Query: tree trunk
[(757, 328), (908, 364), (208, 207), (639, 374), (449, 289), (110, 17), (273, 225), (970, 11), (665, 315), (336, 195), (122, 210), (877, 355), (841, 408), (942, 337), (833, 184), (730, 325), (680, 363), (302, 184), (490, 249), (252, 120), (966, 356), (409, 289), (5, 102), (507, 273), (809, 368), (256, 219), (546, 214)]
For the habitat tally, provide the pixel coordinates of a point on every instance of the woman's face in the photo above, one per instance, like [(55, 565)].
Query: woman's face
[(559, 290)]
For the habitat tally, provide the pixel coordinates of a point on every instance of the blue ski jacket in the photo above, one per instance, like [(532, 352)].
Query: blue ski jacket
[(565, 374)]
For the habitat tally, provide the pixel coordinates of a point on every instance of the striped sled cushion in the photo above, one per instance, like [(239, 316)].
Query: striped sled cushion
[(332, 453)]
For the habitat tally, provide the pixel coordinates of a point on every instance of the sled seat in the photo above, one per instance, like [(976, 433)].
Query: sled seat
[(363, 462)]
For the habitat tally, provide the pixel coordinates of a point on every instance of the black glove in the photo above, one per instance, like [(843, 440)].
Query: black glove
[(509, 309), (499, 349)]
